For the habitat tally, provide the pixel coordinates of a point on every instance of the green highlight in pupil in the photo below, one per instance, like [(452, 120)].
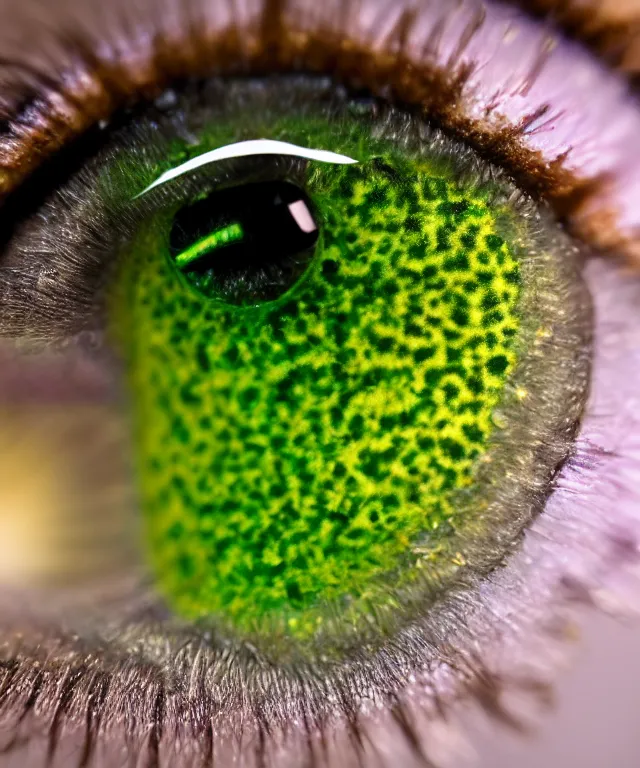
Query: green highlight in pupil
[(229, 234), (309, 450), (245, 244)]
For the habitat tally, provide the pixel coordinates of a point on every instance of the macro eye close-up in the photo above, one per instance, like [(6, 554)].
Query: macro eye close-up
[(319, 383)]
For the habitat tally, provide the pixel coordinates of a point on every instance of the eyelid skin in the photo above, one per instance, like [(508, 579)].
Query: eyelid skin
[(249, 149)]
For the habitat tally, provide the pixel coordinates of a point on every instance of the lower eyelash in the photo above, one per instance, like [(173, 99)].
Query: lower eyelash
[(77, 703)]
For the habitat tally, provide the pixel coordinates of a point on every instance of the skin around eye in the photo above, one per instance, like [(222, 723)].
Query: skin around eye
[(425, 643)]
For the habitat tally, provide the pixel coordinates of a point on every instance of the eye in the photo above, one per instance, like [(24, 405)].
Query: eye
[(355, 370)]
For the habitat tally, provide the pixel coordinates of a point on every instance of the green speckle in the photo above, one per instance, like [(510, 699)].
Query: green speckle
[(498, 365)]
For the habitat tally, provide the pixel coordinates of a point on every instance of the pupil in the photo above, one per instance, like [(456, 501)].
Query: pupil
[(245, 244)]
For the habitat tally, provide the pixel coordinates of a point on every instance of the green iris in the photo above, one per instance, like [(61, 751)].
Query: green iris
[(296, 453)]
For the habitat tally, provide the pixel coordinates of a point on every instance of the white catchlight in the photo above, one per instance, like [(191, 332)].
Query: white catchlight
[(246, 149)]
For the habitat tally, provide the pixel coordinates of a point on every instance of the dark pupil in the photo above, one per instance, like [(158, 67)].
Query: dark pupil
[(246, 244)]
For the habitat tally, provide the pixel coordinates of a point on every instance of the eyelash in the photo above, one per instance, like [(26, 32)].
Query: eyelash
[(504, 147)]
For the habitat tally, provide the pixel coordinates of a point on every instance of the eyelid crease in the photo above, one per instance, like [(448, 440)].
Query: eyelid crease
[(248, 149), (609, 28)]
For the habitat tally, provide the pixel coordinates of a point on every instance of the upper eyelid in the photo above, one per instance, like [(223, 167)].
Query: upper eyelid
[(441, 46)]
